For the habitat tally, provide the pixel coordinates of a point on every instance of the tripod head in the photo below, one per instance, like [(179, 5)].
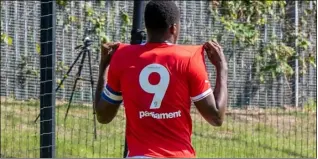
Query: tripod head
[(86, 39), (87, 42)]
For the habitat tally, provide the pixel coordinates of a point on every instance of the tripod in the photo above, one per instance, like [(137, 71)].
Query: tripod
[(85, 50)]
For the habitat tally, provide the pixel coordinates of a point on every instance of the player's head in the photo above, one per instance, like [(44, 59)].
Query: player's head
[(162, 20)]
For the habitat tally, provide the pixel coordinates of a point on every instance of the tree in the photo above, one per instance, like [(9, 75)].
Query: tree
[(246, 20)]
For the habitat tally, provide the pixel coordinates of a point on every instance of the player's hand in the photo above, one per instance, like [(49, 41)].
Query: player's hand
[(215, 54), (107, 51)]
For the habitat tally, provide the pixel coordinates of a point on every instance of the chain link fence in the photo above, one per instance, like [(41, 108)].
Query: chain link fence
[(262, 120)]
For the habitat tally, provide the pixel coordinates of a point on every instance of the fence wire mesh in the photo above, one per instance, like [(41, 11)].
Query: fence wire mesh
[(262, 120), (20, 23)]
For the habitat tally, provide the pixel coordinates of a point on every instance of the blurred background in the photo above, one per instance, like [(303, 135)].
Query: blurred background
[(271, 51)]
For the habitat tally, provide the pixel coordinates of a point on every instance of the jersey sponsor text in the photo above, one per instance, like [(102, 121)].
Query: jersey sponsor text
[(143, 114)]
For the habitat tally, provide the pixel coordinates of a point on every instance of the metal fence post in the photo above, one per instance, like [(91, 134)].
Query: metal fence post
[(296, 60), (293, 16), (47, 84)]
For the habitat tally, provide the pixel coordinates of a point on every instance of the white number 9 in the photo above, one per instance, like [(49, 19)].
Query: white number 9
[(159, 90)]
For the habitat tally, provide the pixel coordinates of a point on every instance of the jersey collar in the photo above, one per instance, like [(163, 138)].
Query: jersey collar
[(166, 42)]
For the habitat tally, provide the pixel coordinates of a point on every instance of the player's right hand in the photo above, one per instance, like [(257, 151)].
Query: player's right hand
[(107, 51), (215, 54)]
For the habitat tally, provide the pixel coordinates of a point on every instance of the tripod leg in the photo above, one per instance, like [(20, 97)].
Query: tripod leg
[(92, 87), (65, 76), (70, 100), (74, 86), (69, 70)]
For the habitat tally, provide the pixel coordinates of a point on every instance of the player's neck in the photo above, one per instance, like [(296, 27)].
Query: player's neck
[(159, 40)]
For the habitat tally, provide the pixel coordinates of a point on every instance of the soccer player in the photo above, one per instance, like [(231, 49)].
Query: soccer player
[(157, 82)]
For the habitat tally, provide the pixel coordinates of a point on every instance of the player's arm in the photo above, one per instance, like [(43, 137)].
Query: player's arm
[(213, 107), (107, 96), (211, 104)]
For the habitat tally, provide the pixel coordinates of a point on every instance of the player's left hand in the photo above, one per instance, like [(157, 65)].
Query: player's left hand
[(215, 54), (107, 50)]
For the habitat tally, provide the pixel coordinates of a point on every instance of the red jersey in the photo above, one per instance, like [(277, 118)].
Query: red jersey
[(157, 82)]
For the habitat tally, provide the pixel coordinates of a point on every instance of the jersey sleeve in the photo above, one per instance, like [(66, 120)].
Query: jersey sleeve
[(199, 83), (112, 92)]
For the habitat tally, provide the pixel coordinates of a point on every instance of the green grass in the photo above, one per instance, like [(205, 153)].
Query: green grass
[(275, 133)]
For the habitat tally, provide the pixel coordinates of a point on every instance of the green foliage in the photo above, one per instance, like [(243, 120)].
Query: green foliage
[(60, 69), (125, 22), (38, 48), (96, 20), (58, 82), (310, 105), (26, 70), (61, 2), (273, 59), (125, 18), (6, 39), (245, 21)]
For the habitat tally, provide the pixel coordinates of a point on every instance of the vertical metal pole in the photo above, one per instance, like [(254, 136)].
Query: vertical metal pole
[(17, 93), (311, 71), (292, 14), (6, 52), (135, 38), (137, 21), (47, 84), (296, 60), (265, 42), (25, 11)]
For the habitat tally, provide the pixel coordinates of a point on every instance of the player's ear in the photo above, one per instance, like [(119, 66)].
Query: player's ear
[(173, 29)]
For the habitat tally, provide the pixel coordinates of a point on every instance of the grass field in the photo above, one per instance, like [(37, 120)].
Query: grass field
[(246, 133)]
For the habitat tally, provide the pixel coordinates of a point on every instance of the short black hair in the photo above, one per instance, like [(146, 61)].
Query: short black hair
[(160, 15)]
